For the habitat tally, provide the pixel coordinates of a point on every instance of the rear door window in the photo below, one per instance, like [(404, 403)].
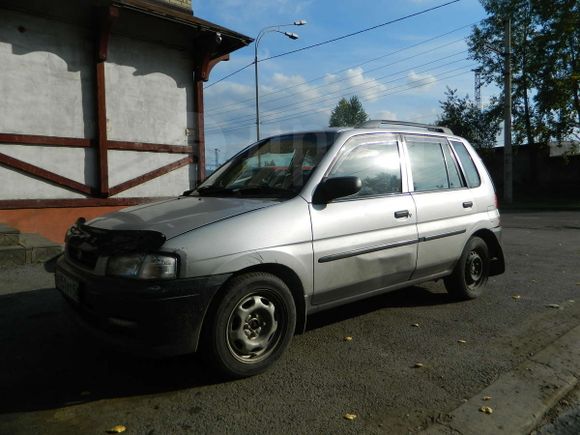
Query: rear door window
[(469, 169), (428, 165)]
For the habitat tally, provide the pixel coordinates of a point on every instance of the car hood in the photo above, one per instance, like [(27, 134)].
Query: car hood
[(179, 215)]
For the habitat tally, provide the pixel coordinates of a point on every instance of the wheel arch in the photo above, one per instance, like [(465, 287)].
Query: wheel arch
[(284, 273), (496, 257)]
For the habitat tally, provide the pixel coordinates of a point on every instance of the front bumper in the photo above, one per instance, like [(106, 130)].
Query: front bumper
[(153, 318)]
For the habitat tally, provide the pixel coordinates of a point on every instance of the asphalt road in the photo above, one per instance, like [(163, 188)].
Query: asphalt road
[(55, 381)]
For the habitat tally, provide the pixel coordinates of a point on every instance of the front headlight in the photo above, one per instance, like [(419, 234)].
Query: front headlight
[(152, 266)]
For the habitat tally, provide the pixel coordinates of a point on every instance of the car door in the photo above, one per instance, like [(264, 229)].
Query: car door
[(445, 205), (366, 241)]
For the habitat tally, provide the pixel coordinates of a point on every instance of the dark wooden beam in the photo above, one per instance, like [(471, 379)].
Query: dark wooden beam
[(150, 175), (148, 147), (29, 139), (12, 204), (108, 17), (43, 174), (198, 118)]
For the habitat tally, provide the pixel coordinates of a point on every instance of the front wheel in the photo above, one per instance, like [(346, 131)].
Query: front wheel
[(251, 326), (471, 272)]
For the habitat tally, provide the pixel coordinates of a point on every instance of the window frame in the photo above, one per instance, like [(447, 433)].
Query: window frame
[(463, 171), (443, 141), (370, 138)]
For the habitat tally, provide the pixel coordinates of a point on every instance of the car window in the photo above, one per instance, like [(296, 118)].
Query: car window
[(277, 166), (453, 171), (375, 162), (428, 166), (469, 169)]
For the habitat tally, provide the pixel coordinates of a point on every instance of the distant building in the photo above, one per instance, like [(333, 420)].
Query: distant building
[(101, 105)]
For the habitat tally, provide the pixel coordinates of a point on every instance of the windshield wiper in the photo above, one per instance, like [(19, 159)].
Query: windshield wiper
[(214, 190), (266, 190)]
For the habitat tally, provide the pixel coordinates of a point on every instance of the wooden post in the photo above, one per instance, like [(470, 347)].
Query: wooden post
[(107, 19)]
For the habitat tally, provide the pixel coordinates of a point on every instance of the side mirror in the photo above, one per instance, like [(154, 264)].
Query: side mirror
[(337, 187)]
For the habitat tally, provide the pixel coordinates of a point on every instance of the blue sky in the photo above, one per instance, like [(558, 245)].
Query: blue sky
[(399, 71)]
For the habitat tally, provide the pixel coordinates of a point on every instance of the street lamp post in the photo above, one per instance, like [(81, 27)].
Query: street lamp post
[(261, 34)]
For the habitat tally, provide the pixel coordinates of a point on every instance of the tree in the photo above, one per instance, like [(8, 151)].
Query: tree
[(480, 127), (348, 113), (545, 65), (558, 68)]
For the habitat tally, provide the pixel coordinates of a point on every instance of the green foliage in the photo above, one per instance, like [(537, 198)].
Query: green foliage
[(479, 127), (348, 113), (545, 64)]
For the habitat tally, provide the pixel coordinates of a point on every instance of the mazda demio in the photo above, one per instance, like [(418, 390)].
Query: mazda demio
[(291, 225)]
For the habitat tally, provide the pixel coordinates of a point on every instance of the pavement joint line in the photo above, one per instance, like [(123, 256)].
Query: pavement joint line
[(521, 397)]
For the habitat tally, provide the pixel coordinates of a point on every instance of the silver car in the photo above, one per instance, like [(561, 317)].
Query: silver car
[(292, 225)]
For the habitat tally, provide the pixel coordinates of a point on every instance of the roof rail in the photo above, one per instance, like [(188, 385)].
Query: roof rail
[(383, 123)]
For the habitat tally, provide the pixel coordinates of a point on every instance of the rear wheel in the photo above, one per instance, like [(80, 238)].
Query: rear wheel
[(251, 326), (471, 272)]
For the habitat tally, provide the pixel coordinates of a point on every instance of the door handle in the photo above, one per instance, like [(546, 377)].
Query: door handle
[(468, 204), (402, 214)]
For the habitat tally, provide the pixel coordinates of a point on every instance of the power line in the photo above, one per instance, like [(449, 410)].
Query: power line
[(336, 39), (308, 47), (362, 86), (402, 88), (333, 82), (229, 75)]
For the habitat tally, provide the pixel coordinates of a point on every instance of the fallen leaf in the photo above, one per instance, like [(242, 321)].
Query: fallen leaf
[(461, 341), (117, 429), (85, 393), (486, 397), (486, 410), (349, 416), (415, 325), (571, 301), (516, 297), (418, 365), (552, 306), (347, 338)]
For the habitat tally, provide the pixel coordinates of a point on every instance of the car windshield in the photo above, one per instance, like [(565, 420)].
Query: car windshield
[(275, 167)]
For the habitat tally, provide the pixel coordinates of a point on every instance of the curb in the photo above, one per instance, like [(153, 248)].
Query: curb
[(520, 398)]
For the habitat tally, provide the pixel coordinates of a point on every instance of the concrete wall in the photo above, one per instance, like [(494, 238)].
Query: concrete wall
[(47, 82)]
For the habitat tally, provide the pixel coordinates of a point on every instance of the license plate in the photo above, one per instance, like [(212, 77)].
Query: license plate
[(68, 286)]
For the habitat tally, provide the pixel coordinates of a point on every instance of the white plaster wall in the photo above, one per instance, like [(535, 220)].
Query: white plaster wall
[(171, 184), (126, 165), (149, 92), (45, 77)]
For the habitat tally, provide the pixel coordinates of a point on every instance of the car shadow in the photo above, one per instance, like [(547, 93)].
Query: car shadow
[(47, 363), (415, 296)]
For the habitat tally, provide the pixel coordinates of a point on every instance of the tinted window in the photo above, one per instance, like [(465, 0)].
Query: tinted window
[(377, 164), (427, 164), (469, 169), (452, 169)]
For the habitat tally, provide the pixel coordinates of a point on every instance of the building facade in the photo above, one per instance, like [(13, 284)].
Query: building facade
[(101, 106)]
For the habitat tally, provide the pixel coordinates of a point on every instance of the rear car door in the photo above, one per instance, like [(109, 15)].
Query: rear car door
[(445, 204), (366, 241)]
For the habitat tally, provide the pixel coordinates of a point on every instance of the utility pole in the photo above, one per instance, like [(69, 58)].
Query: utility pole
[(216, 157), (507, 129), (477, 88)]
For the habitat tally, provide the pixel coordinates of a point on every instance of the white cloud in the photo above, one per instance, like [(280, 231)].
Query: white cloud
[(421, 80)]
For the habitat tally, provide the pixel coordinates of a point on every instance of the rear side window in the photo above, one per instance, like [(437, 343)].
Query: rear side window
[(469, 169), (375, 162), (428, 164)]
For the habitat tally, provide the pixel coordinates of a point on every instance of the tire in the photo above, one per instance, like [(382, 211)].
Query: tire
[(251, 325), (471, 272)]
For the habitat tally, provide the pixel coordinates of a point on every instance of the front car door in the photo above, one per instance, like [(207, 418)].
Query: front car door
[(366, 241)]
